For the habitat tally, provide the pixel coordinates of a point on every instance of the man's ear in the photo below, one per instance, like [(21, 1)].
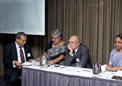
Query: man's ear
[(17, 39), (78, 43)]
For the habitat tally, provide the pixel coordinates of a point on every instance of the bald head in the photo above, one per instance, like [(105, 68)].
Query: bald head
[(74, 38), (74, 42)]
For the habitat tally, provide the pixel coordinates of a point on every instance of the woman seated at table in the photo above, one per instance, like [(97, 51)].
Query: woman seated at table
[(115, 62), (55, 49)]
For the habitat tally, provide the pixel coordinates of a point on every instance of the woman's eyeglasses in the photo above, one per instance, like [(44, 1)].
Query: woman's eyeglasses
[(117, 42)]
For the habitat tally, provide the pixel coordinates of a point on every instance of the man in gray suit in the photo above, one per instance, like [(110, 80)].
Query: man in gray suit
[(77, 54)]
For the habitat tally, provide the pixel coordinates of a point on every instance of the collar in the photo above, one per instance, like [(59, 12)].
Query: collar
[(76, 50), (17, 45)]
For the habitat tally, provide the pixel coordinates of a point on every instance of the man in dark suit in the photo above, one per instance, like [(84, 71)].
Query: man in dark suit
[(77, 54), (15, 54)]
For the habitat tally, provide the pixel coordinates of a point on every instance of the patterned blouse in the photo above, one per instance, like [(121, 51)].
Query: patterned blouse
[(53, 53), (115, 58)]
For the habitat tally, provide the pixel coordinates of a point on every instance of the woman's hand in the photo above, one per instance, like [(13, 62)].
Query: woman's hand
[(50, 62), (109, 68), (38, 59)]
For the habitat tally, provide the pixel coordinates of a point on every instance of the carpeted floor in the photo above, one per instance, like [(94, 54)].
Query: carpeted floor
[(3, 82)]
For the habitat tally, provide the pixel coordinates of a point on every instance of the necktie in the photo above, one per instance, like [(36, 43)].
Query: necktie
[(74, 58), (77, 59), (74, 54), (22, 55)]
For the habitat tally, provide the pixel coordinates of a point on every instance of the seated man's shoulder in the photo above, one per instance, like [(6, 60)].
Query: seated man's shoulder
[(83, 46)]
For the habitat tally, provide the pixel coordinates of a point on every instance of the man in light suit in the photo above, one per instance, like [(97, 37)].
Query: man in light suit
[(77, 54), (12, 58)]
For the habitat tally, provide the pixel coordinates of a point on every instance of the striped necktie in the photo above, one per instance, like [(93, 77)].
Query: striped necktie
[(22, 55)]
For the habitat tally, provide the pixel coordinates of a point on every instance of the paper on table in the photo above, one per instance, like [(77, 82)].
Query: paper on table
[(103, 67), (118, 73), (107, 74), (26, 63)]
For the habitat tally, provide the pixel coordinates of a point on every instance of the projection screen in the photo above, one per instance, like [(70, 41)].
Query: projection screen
[(22, 15)]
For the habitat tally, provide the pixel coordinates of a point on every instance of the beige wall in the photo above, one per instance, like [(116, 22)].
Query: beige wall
[(96, 22)]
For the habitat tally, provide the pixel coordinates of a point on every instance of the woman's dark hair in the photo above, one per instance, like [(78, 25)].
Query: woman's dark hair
[(119, 35), (19, 34)]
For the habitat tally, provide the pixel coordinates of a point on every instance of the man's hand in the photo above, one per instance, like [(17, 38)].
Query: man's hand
[(30, 60), (18, 64), (70, 49)]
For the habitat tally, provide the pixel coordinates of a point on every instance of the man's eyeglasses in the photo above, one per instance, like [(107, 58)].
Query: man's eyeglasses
[(23, 40), (72, 42)]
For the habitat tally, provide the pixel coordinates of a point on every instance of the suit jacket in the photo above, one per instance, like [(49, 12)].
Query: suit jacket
[(83, 55), (10, 54)]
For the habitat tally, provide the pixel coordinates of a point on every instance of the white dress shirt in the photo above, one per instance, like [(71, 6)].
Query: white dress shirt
[(18, 54), (73, 53)]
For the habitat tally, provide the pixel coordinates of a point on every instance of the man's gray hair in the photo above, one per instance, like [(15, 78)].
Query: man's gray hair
[(19, 34), (57, 32)]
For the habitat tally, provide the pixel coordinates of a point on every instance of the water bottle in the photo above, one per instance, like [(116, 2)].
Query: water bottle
[(96, 68), (43, 61), (78, 64)]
